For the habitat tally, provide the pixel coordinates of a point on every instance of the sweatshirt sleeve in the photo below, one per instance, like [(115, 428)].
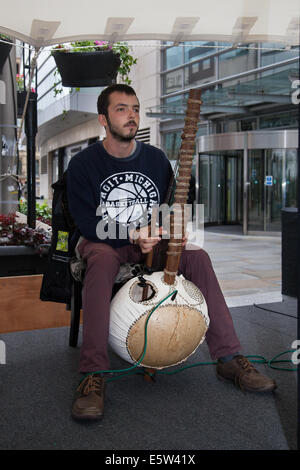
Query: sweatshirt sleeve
[(81, 200)]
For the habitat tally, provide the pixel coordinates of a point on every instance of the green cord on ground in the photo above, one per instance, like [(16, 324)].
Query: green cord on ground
[(259, 360), (285, 360)]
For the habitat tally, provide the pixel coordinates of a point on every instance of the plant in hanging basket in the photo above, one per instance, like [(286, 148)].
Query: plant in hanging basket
[(5, 48), (92, 63)]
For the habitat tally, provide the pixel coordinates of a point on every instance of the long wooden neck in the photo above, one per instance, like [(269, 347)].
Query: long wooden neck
[(177, 222)]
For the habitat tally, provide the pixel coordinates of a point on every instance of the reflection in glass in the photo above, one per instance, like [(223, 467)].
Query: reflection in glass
[(173, 57), (273, 179)]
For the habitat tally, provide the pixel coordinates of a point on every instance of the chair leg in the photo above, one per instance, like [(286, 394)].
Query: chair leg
[(75, 313)]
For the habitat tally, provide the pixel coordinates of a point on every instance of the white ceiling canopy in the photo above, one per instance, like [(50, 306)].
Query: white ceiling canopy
[(46, 22)]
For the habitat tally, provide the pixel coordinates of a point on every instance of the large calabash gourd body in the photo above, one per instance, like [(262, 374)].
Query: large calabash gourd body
[(174, 330)]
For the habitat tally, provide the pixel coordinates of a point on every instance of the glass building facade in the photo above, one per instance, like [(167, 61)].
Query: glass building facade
[(246, 151)]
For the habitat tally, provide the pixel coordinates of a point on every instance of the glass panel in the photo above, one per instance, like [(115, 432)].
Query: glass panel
[(172, 142), (193, 51), (256, 190), (248, 125), (174, 105), (200, 72), (220, 187), (271, 53), (291, 170), (229, 126), (275, 82), (282, 188), (173, 57), (237, 61), (273, 185), (217, 189), (231, 189), (204, 185), (285, 120), (173, 81), (274, 164), (212, 187)]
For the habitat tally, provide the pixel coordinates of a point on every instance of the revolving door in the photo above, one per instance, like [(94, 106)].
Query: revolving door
[(246, 178)]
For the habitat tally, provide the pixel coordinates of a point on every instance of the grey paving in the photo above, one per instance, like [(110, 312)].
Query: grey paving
[(248, 268)]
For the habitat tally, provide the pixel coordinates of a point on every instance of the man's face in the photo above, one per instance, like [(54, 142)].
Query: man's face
[(123, 116)]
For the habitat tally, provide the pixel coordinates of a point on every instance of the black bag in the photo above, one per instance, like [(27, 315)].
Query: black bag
[(57, 281)]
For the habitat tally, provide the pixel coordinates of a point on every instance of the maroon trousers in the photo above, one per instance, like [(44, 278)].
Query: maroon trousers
[(103, 264)]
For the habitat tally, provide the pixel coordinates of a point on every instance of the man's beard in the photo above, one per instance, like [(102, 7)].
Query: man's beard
[(116, 134)]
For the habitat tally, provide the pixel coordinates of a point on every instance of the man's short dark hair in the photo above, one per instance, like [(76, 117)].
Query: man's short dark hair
[(103, 99)]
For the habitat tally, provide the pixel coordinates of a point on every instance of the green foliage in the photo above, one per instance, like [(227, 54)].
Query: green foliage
[(20, 82), (43, 211), (84, 46), (4, 37), (127, 60)]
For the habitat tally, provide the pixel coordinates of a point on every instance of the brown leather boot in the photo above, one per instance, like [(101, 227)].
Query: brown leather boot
[(89, 399), (240, 371)]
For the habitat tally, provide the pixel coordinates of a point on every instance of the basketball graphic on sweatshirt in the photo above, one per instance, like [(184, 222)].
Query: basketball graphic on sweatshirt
[(127, 198)]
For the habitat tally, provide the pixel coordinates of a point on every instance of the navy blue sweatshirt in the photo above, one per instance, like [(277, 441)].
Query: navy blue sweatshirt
[(108, 195)]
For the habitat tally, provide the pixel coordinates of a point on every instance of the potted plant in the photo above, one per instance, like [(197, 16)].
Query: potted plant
[(92, 63), (5, 48), (23, 249)]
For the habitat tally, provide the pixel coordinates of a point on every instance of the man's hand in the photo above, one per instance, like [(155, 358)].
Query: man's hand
[(146, 243), (141, 237), (185, 239)]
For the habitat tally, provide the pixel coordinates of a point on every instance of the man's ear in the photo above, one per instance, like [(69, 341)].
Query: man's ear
[(102, 120)]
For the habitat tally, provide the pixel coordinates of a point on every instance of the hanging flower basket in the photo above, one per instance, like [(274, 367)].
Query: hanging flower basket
[(4, 53), (87, 69)]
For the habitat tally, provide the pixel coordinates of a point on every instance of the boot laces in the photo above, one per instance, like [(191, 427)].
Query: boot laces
[(245, 364), (246, 368), (91, 383)]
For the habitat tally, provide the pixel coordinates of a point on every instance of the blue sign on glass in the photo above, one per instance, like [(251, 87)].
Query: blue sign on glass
[(269, 180)]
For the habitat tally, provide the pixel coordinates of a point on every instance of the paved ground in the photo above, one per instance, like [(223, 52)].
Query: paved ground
[(248, 267)]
